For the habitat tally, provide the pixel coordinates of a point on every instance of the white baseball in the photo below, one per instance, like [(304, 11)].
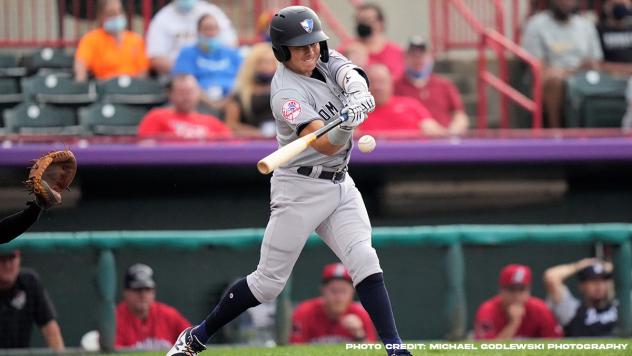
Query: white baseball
[(366, 143)]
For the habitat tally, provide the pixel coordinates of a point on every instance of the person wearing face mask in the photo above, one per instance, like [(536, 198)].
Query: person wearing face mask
[(437, 94), (174, 27), (565, 43), (370, 29), (214, 65), (248, 109), (615, 33), (110, 50)]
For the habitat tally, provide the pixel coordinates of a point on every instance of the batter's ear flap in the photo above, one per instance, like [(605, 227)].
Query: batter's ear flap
[(282, 53), (324, 51)]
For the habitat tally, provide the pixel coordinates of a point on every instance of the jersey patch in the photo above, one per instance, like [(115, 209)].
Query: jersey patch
[(291, 109)]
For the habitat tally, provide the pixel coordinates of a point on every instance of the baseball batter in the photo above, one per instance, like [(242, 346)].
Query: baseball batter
[(312, 192)]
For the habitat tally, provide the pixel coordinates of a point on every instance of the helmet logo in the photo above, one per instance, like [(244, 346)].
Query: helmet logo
[(308, 25)]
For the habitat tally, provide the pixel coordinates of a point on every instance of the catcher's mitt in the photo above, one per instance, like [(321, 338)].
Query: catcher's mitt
[(51, 174)]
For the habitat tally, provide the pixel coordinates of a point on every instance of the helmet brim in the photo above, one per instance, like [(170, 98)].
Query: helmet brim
[(307, 39)]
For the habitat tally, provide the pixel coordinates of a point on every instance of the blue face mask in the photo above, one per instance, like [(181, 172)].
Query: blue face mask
[(209, 44), (115, 24), (424, 73), (185, 6)]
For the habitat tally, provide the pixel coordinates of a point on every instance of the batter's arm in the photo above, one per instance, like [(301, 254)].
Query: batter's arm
[(322, 144)]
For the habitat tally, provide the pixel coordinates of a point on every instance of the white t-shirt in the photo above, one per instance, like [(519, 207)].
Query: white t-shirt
[(171, 30)]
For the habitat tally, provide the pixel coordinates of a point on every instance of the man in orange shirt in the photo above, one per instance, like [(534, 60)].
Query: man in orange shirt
[(181, 120), (110, 50)]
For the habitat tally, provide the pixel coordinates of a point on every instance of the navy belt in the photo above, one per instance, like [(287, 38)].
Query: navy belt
[(328, 175)]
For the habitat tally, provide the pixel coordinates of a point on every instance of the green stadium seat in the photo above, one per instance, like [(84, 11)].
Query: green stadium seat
[(10, 93), (9, 66), (55, 89), (132, 91), (595, 99), (51, 59), (111, 119), (31, 118)]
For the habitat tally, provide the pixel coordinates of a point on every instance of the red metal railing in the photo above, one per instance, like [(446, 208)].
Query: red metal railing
[(448, 32), (61, 23), (492, 39)]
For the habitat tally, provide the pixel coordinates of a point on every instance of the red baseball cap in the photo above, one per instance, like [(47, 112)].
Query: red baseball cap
[(335, 271), (515, 274)]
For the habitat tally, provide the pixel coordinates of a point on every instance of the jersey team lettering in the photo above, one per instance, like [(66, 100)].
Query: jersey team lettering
[(291, 109)]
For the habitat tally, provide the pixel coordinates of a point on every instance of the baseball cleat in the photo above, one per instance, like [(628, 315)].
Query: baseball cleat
[(186, 345)]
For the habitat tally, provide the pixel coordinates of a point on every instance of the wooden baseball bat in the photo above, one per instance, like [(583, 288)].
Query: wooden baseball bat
[(281, 156)]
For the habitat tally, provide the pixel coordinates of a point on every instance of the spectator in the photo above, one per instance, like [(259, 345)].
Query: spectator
[(596, 314), (357, 54), (514, 313), (395, 113), (436, 93), (24, 301), (615, 33), (332, 317), (141, 321), (181, 119), (565, 43), (370, 30), (214, 65), (262, 27), (110, 50), (174, 27), (248, 110)]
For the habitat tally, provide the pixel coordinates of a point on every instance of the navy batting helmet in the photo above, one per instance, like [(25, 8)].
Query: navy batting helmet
[(297, 26)]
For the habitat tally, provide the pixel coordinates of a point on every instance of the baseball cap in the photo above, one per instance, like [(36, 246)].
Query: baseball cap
[(335, 271), (515, 274), (594, 271), (139, 276), (417, 42)]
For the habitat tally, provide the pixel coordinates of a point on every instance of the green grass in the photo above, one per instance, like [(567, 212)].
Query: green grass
[(339, 350)]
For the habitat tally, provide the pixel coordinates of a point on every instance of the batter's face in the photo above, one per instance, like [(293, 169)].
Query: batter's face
[(303, 59), (338, 296), (594, 290), (518, 294), (139, 300), (9, 270)]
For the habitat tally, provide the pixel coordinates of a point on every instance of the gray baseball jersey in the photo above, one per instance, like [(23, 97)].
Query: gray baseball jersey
[(301, 205), (296, 100)]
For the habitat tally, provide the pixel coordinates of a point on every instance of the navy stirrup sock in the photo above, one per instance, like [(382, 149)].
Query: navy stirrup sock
[(374, 298), (237, 299)]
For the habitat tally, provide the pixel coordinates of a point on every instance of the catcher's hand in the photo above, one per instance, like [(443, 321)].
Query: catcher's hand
[(50, 175)]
